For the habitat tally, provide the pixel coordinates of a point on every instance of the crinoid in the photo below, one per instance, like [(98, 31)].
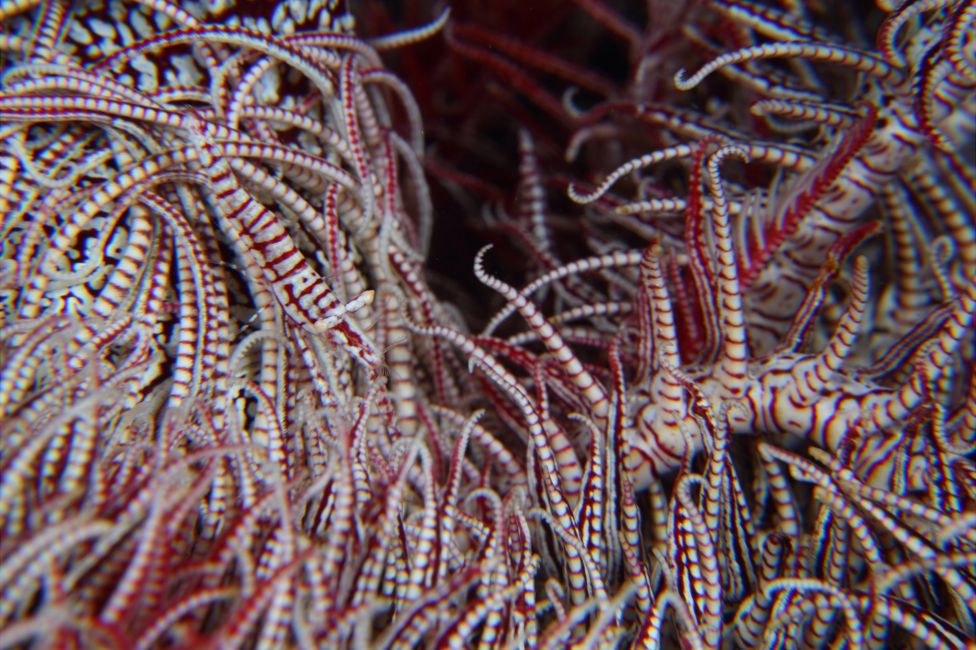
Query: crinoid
[(729, 320), (214, 427), (234, 414), (886, 442)]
